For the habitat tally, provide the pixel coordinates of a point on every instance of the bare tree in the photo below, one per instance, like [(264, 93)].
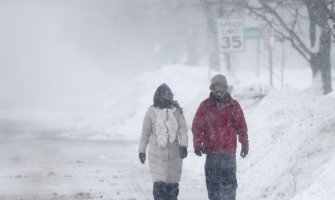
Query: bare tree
[(287, 17)]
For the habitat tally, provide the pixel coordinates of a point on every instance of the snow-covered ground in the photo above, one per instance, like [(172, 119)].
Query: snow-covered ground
[(64, 153)]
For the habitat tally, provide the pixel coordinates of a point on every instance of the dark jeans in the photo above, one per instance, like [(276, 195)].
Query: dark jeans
[(220, 171)]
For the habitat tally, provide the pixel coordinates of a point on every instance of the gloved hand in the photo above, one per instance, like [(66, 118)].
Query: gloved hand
[(198, 151), (142, 157), (183, 152), (244, 152)]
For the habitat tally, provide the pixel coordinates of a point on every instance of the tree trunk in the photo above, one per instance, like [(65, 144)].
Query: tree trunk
[(320, 61), (325, 68), (216, 10), (214, 56)]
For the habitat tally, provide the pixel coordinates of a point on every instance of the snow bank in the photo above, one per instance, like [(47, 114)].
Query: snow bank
[(292, 145)]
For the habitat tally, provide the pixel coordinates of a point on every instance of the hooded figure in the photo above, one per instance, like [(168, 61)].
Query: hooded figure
[(164, 129)]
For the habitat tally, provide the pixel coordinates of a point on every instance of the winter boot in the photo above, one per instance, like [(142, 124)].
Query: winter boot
[(159, 190), (172, 191)]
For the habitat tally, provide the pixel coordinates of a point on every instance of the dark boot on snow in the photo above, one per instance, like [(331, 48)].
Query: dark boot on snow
[(172, 191), (159, 190)]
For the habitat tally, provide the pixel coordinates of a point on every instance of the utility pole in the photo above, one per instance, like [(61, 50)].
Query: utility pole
[(282, 65), (270, 66), (269, 41), (257, 57)]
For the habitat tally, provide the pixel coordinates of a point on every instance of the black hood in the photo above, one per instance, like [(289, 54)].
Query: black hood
[(163, 91), (163, 97)]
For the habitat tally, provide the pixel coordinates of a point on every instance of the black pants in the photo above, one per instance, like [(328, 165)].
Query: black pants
[(165, 191), (220, 171)]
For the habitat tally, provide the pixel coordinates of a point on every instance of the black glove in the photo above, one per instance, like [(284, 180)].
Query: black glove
[(183, 152), (244, 152), (142, 157), (198, 151)]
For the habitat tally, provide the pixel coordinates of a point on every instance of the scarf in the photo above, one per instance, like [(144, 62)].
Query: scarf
[(166, 125)]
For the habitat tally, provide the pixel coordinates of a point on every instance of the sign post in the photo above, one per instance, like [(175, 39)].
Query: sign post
[(231, 39), (254, 33), (231, 35)]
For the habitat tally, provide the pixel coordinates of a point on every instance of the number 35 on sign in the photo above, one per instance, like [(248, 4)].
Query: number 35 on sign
[(231, 35)]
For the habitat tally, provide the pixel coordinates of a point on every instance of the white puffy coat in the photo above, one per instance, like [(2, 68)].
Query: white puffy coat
[(165, 130)]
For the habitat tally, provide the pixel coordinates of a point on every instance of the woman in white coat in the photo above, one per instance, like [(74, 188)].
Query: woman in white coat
[(164, 129)]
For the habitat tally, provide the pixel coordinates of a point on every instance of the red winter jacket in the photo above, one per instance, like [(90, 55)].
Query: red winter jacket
[(216, 126)]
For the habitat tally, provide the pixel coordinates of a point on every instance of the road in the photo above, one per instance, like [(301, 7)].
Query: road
[(64, 169), (71, 169)]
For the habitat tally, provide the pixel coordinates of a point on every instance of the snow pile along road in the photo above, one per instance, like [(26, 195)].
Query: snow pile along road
[(292, 147)]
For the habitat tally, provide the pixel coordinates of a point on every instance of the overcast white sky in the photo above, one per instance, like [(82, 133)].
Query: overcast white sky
[(55, 50), (60, 49)]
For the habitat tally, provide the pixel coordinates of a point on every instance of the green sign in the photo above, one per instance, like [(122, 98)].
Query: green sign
[(253, 33)]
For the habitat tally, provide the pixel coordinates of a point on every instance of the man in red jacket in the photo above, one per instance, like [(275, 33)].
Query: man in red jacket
[(217, 124)]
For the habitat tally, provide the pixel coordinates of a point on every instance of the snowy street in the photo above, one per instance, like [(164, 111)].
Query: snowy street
[(65, 169), (69, 169)]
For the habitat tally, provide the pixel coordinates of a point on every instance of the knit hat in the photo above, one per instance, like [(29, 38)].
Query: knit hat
[(218, 79)]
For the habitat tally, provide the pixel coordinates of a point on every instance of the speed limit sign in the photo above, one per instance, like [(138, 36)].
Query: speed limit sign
[(231, 35)]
